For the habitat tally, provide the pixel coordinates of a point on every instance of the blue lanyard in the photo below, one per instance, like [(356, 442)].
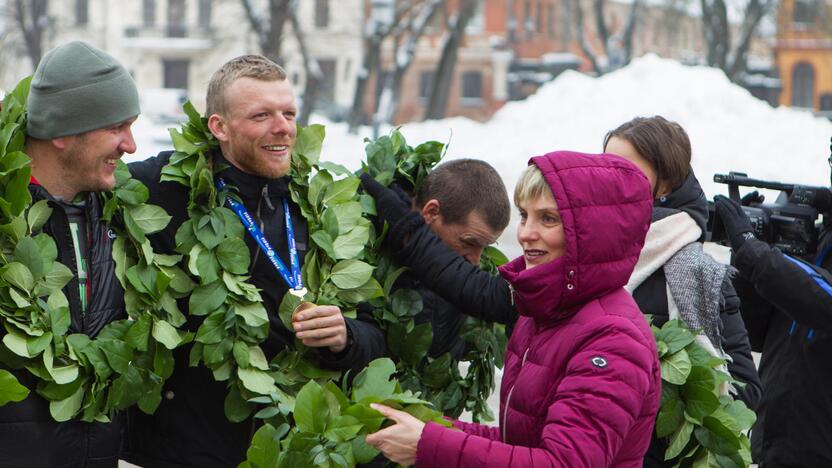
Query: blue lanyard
[(293, 278)]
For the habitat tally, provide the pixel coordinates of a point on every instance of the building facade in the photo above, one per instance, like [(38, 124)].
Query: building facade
[(803, 54)]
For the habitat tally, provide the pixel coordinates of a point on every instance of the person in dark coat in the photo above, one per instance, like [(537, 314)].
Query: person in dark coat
[(582, 382), (674, 278), (787, 306), (251, 108), (465, 203), (81, 106)]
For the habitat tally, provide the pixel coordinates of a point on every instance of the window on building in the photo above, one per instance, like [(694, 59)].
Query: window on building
[(82, 12), (149, 13), (805, 11), (321, 13), (476, 24), (425, 83), (826, 102), (471, 87), (327, 85), (176, 18), (176, 73), (803, 86), (204, 19)]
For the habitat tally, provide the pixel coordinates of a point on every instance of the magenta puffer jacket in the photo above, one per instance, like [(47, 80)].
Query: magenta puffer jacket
[(582, 381)]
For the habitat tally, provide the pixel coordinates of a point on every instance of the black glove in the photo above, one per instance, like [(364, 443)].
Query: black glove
[(754, 198), (736, 223), (393, 207)]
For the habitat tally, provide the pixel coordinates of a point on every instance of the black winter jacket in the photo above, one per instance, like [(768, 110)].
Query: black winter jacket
[(29, 437), (190, 428), (787, 307), (651, 297)]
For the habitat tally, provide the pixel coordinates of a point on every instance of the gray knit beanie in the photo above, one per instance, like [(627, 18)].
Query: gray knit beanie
[(78, 88)]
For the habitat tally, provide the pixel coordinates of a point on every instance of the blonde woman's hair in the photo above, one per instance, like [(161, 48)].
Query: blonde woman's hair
[(531, 185), (245, 66)]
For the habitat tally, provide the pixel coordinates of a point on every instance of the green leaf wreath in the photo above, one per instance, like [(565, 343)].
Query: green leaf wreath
[(702, 427), (129, 360)]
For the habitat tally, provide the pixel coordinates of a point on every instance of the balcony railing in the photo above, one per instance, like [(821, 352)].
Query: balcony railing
[(169, 37)]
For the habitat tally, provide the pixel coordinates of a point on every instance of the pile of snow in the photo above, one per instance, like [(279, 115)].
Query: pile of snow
[(729, 128)]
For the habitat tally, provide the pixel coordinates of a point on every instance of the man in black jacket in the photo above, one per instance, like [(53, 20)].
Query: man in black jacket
[(787, 308), (251, 108), (463, 202), (81, 106)]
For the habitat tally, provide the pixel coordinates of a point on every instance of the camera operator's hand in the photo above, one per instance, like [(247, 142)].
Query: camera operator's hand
[(752, 198), (394, 207), (736, 223)]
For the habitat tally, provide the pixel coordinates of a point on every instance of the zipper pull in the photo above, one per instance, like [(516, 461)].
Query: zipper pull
[(265, 195)]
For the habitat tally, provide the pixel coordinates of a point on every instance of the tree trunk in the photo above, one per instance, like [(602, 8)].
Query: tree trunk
[(754, 13), (372, 50), (601, 24), (269, 30), (716, 33), (310, 68), (629, 30), (403, 57), (582, 41), (438, 102), (32, 24)]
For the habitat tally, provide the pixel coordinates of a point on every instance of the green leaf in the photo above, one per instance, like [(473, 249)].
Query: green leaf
[(180, 143), (38, 215), (28, 253), (118, 354), (406, 303), (149, 218), (207, 298), (236, 408), (390, 280), (369, 290), (264, 449), (163, 362), (253, 314), (323, 240), (311, 409), (212, 329), (256, 380), (241, 355), (257, 358), (36, 344), (671, 416), (716, 437), (351, 244), (166, 334), (16, 344), (676, 368), (233, 256), (342, 429), (374, 381), (346, 215), (341, 191), (210, 230), (10, 388), (700, 393), (59, 320), (16, 274), (126, 389), (678, 441), (64, 410), (317, 186), (309, 142), (676, 335), (350, 274), (410, 347), (56, 278), (207, 266), (132, 192)]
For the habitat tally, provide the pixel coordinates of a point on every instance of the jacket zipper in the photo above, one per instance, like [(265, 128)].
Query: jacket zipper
[(263, 194), (508, 398)]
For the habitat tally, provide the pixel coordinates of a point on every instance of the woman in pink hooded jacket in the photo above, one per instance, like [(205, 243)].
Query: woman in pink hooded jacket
[(581, 383)]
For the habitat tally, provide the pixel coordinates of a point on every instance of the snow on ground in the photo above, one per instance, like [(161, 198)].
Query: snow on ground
[(729, 128)]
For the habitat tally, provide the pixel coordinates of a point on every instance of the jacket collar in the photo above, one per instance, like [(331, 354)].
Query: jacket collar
[(689, 198), (250, 186)]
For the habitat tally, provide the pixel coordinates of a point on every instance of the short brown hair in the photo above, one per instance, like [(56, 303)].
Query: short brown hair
[(464, 186), (663, 143), (244, 66)]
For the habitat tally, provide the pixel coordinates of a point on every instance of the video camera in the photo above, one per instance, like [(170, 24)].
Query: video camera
[(788, 223)]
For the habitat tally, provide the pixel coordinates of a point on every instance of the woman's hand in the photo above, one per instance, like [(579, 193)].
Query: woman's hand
[(397, 442)]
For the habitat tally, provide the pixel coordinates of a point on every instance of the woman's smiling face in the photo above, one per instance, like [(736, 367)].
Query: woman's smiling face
[(540, 232)]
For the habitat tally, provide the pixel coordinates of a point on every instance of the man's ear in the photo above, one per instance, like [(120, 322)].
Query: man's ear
[(60, 143), (430, 211), (217, 126)]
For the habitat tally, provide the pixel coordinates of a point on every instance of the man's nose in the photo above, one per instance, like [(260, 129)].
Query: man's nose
[(128, 142)]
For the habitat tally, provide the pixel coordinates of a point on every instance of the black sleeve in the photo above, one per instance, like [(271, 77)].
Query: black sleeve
[(735, 343), (798, 289), (368, 343), (478, 293), (755, 311)]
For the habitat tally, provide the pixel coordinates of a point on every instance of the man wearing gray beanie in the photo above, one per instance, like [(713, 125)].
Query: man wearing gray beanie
[(81, 105)]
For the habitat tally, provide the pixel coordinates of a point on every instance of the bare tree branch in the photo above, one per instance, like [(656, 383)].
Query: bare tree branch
[(582, 41), (310, 67)]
